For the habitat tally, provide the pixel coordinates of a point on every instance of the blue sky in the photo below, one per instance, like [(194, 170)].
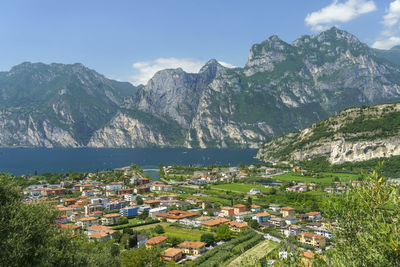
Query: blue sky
[(130, 40)]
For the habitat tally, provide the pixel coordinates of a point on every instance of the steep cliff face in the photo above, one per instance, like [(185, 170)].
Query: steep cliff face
[(282, 88), (56, 105), (125, 131), (355, 134), (174, 93)]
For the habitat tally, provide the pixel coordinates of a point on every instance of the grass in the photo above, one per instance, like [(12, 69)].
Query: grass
[(149, 226), (253, 255), (186, 234), (325, 178), (170, 231), (242, 188)]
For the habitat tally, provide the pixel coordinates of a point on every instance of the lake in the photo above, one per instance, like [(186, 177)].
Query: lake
[(28, 160)]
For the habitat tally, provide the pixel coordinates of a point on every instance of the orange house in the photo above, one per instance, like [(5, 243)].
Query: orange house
[(238, 208)]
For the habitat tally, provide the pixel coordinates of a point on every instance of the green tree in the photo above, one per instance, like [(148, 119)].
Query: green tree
[(368, 219), (139, 200), (29, 236), (223, 232), (122, 220), (144, 215), (207, 238), (141, 257), (174, 241), (133, 241), (159, 229), (254, 224)]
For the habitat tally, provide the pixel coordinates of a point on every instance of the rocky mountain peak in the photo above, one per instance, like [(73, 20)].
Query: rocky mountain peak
[(265, 55), (210, 69), (337, 34)]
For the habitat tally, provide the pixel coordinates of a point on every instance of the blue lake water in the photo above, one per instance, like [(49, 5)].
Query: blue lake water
[(26, 160)]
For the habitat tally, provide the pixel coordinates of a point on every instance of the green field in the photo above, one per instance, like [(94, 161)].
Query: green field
[(149, 226), (186, 234), (243, 188), (325, 178), (170, 231)]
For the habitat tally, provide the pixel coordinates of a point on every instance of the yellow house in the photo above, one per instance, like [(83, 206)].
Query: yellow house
[(315, 240), (287, 212), (237, 226), (172, 254), (193, 247), (214, 223)]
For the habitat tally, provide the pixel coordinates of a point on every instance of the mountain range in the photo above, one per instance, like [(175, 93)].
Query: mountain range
[(282, 88)]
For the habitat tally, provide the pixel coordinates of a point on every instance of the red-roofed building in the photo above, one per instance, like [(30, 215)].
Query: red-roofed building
[(156, 241), (193, 247)]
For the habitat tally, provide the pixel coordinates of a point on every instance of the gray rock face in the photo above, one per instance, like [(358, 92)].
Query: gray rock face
[(175, 93), (355, 134), (124, 131), (282, 88)]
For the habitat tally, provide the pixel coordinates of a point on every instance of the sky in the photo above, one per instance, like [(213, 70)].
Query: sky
[(131, 40)]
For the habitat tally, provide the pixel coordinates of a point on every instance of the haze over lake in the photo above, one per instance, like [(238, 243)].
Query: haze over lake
[(26, 160)]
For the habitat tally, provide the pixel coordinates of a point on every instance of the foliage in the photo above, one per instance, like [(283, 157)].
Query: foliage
[(141, 257), (254, 224), (221, 253), (367, 218), (159, 229), (139, 200), (223, 232), (207, 238), (122, 220), (28, 236)]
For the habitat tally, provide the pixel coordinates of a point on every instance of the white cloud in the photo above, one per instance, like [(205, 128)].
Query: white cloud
[(227, 65), (145, 70), (388, 37), (392, 15), (387, 43), (338, 12)]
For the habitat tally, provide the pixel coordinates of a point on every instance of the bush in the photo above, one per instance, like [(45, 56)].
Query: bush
[(159, 229)]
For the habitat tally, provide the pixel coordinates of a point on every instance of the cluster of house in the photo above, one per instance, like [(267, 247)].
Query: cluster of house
[(301, 187), (340, 187), (336, 187), (221, 175), (313, 232)]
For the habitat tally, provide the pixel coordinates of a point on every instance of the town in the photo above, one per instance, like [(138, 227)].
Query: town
[(194, 215)]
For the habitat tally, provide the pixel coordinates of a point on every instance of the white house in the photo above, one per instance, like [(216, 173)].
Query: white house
[(114, 186), (130, 197), (255, 191)]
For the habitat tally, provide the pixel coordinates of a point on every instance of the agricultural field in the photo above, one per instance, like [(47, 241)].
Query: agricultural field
[(149, 226), (325, 178), (171, 231), (242, 188), (186, 234), (253, 255)]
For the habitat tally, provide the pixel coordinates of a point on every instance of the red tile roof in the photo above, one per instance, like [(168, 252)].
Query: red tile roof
[(156, 240), (191, 244)]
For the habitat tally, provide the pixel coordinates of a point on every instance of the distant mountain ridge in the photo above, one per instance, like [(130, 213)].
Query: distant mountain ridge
[(283, 87), (355, 134)]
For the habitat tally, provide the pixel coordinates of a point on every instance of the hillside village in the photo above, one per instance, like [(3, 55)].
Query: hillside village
[(192, 211)]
